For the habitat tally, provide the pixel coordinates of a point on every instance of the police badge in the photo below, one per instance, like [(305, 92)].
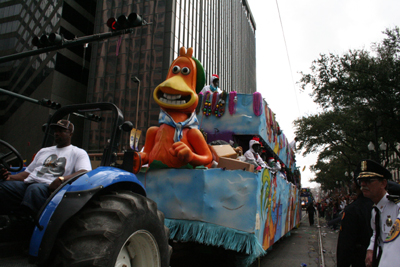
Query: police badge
[(364, 166), (389, 221)]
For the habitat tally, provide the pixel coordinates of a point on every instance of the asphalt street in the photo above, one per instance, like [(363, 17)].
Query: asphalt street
[(302, 247)]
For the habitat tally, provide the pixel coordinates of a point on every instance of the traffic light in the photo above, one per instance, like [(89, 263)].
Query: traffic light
[(93, 117), (50, 104), (47, 40), (123, 22)]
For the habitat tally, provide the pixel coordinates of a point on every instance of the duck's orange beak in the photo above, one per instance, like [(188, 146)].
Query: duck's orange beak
[(178, 91)]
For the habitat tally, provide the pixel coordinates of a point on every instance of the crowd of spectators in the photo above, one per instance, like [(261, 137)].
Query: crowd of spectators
[(331, 207)]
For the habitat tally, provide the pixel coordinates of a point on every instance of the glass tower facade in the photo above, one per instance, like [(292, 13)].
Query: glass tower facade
[(60, 75), (20, 20), (221, 32)]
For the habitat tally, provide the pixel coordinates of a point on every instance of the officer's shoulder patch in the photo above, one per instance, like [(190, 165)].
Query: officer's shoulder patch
[(340, 229), (394, 231)]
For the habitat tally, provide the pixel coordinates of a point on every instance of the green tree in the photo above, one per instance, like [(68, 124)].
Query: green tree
[(359, 93)]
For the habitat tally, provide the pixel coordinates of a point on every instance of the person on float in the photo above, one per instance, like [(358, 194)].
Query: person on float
[(252, 155), (275, 165), (213, 87)]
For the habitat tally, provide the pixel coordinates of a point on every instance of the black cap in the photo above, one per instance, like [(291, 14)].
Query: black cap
[(66, 124), (369, 169)]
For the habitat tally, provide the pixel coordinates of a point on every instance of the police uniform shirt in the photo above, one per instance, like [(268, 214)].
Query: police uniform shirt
[(391, 246), (388, 212)]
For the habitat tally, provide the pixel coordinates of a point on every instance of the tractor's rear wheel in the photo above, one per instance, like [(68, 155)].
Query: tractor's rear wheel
[(117, 229)]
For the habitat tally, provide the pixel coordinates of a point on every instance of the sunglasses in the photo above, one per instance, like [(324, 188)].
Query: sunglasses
[(367, 181)]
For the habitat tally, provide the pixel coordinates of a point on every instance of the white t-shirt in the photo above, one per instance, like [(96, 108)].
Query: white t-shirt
[(251, 158), (207, 88), (52, 162)]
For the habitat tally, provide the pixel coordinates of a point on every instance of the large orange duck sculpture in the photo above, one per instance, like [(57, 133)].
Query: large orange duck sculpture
[(177, 142)]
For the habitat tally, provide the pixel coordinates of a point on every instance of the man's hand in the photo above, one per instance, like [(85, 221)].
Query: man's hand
[(4, 174), (368, 258), (55, 184)]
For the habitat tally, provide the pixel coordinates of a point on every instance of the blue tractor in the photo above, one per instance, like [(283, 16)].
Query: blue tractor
[(99, 218)]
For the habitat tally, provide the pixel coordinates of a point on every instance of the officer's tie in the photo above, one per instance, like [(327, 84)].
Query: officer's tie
[(375, 260)]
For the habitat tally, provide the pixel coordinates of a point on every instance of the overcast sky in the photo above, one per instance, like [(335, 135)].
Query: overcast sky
[(310, 27)]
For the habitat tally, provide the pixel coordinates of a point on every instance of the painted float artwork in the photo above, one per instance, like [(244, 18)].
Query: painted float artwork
[(234, 209), (248, 114)]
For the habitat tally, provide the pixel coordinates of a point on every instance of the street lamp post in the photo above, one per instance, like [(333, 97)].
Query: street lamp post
[(376, 154), (136, 80), (371, 148), (383, 147), (347, 180)]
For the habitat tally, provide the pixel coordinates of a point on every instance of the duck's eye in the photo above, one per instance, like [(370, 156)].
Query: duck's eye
[(176, 69), (185, 71)]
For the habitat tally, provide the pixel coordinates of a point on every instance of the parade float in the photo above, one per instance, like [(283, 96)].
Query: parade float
[(208, 197)]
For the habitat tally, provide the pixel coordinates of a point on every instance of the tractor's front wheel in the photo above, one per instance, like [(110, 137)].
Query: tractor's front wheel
[(117, 229)]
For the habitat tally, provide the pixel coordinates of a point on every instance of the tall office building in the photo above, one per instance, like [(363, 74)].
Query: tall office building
[(221, 32), (58, 75)]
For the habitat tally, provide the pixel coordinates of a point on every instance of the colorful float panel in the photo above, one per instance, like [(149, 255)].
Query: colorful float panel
[(235, 209)]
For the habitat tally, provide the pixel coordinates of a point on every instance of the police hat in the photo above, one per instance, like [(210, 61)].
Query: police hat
[(369, 169)]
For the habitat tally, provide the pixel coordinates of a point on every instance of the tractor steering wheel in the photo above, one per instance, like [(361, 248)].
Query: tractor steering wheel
[(7, 154)]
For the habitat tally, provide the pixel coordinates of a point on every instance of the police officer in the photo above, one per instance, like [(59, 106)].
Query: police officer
[(355, 231), (373, 179)]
